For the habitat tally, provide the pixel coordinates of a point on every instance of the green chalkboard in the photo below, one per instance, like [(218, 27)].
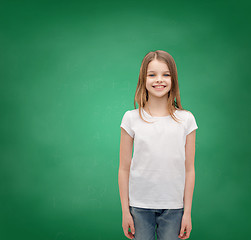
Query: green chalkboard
[(69, 71)]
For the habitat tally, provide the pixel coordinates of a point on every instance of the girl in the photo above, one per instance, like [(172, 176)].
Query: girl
[(156, 184)]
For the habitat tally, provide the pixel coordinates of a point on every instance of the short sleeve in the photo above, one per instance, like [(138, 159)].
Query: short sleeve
[(126, 124), (190, 123)]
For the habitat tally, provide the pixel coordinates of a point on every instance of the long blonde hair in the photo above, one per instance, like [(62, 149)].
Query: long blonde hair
[(141, 94)]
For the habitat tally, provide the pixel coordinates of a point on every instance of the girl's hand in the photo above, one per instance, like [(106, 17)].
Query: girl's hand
[(127, 223), (186, 226)]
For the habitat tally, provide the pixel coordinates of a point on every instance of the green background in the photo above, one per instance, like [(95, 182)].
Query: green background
[(69, 71)]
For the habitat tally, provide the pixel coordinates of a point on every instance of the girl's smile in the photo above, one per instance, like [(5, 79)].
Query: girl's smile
[(159, 87)]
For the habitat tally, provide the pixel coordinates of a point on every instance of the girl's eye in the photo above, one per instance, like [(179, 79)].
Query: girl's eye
[(153, 75)]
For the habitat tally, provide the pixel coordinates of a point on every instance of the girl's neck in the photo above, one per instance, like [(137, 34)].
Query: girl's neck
[(156, 109)]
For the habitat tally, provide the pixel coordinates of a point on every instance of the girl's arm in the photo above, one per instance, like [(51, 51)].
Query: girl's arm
[(190, 172), (126, 145)]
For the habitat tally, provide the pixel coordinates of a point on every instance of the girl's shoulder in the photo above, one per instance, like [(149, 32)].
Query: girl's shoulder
[(184, 111), (184, 114), (132, 111)]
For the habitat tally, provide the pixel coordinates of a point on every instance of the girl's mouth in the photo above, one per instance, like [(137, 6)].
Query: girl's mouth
[(159, 87)]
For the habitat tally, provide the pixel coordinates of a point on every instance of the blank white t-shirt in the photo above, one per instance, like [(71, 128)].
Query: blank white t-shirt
[(157, 171)]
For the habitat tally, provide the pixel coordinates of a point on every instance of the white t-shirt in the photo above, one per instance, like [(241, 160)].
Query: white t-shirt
[(157, 171)]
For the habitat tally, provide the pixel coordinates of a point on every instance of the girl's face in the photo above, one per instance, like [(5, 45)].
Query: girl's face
[(158, 79)]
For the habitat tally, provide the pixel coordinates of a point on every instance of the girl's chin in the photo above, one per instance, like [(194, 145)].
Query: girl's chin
[(158, 94)]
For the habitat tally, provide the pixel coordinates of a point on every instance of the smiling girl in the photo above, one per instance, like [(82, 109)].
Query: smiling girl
[(156, 184)]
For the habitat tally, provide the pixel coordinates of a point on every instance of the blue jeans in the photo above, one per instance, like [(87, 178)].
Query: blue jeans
[(165, 222)]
